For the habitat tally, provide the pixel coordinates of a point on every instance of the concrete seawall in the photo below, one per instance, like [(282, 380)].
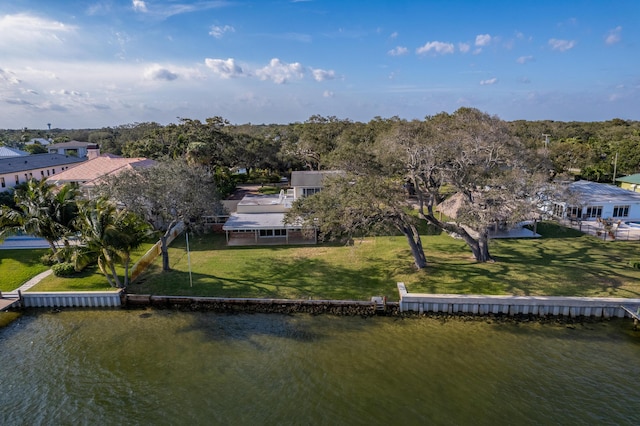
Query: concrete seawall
[(75, 299), (599, 307)]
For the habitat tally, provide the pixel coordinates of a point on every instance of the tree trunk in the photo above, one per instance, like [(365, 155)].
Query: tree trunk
[(55, 251), (415, 243), (479, 247), (165, 253)]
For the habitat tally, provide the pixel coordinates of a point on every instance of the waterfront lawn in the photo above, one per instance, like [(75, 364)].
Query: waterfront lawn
[(18, 266), (562, 263)]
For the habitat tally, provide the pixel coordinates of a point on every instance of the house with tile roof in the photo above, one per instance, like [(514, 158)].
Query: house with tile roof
[(17, 170), (630, 182), (97, 167)]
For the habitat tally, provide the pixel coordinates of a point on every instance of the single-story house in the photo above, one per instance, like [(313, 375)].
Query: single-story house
[(259, 219), (17, 170), (590, 201), (630, 182)]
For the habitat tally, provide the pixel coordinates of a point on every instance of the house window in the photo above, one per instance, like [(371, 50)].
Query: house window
[(594, 211), (273, 232), (620, 211), (310, 191), (2, 182), (574, 212)]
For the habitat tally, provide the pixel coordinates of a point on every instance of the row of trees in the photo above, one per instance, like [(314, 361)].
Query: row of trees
[(589, 149), (495, 179)]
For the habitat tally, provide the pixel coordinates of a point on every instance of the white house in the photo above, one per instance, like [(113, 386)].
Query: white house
[(259, 219), (590, 201), (17, 170)]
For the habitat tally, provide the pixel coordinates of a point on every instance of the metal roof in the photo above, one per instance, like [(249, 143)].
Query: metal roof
[(593, 193), (247, 221), (630, 179), (311, 178), (36, 161)]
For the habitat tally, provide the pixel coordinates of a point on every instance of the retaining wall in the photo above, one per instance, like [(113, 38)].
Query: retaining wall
[(515, 305), (76, 299)]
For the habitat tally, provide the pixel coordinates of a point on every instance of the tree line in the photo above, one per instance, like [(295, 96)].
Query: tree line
[(487, 172)]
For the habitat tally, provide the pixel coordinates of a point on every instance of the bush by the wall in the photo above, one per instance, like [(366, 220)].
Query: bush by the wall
[(63, 269)]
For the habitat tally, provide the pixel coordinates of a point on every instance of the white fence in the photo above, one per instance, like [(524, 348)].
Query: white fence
[(72, 299), (515, 305)]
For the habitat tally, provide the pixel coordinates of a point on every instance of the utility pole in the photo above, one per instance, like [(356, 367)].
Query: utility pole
[(546, 140)]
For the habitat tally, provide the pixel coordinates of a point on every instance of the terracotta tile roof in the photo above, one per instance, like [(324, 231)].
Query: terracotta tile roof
[(89, 172)]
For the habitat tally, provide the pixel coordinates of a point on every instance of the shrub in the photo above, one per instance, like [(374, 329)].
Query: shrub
[(47, 259), (63, 269)]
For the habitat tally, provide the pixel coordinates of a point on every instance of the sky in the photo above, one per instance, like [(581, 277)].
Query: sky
[(104, 63)]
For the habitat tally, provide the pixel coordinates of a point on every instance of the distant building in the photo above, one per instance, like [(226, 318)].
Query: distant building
[(17, 170), (40, 141), (74, 148), (631, 182)]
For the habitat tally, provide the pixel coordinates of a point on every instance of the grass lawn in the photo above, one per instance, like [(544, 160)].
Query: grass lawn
[(562, 263), (18, 266)]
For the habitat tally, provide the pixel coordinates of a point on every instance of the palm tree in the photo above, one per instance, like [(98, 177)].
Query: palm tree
[(43, 211), (112, 234)]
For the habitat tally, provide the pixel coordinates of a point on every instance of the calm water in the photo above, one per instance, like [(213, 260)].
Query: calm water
[(165, 367)]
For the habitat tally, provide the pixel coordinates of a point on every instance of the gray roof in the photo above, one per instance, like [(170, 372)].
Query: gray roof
[(311, 178), (255, 221), (70, 144), (593, 192), (36, 161), (6, 151)]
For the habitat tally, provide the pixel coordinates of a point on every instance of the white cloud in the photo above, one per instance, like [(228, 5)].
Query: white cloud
[(24, 35), (524, 59), (561, 45), (218, 31), (614, 36), (488, 82), (322, 75), (139, 6), (157, 72), (224, 68), (464, 47), (398, 51), (483, 40), (280, 72), (437, 47)]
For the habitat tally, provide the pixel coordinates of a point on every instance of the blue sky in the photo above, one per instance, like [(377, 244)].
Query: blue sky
[(86, 64)]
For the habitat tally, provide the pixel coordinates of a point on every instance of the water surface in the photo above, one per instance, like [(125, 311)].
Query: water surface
[(167, 367)]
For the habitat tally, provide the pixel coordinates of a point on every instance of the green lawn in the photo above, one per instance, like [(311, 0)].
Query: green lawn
[(18, 266), (564, 263)]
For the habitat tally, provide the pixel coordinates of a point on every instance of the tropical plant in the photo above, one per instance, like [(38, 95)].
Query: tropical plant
[(111, 234)]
